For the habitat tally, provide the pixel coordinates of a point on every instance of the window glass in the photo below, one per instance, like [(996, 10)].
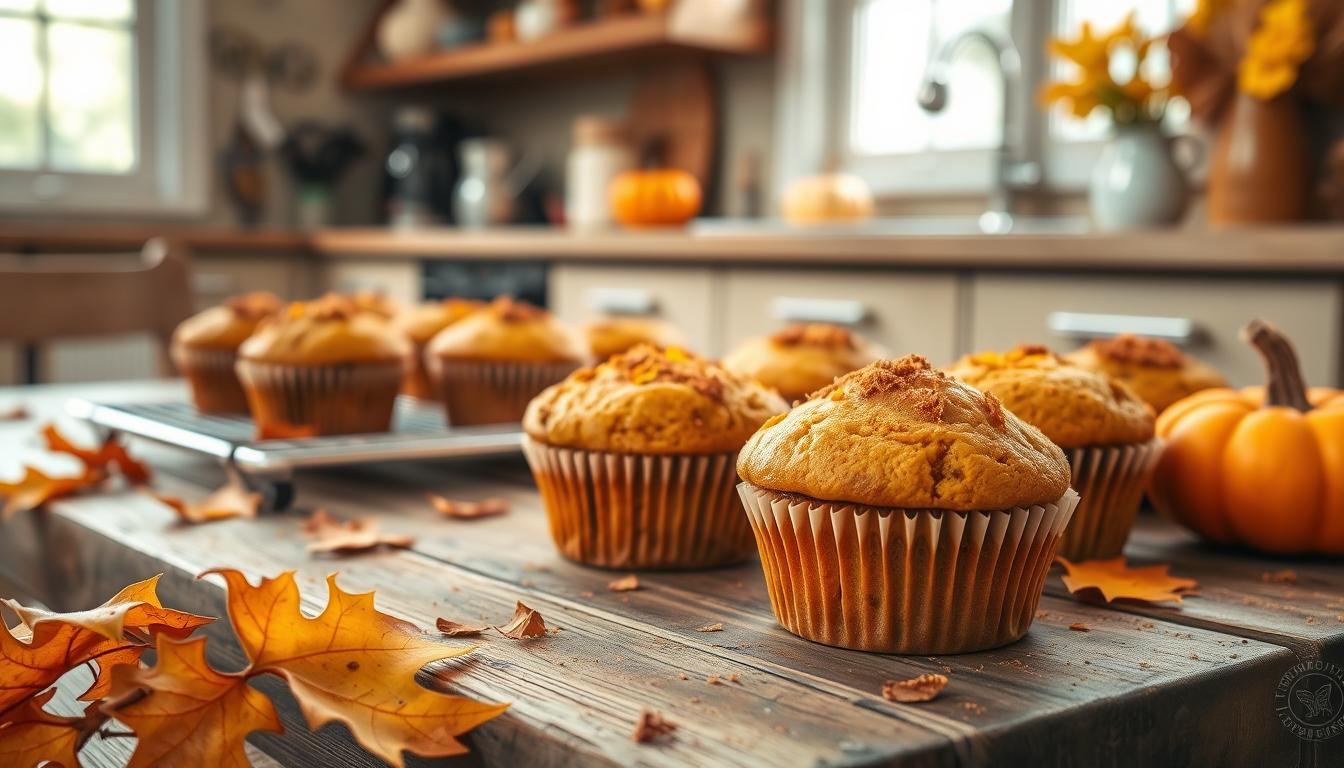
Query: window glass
[(92, 102), (20, 94), (93, 10)]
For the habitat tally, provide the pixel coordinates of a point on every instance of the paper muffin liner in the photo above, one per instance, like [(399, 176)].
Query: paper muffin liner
[(479, 392), (210, 374), (904, 581), (622, 510), (349, 398), (1110, 480), (418, 383)]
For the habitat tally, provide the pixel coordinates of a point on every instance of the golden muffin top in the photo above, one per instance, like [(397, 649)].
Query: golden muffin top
[(802, 358), (228, 325), (422, 322), (1156, 370), (1074, 407), (510, 331), (327, 331), (649, 400), (614, 335), (375, 302), (898, 433)]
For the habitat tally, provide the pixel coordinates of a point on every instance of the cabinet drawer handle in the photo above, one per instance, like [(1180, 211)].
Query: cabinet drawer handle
[(1085, 326), (622, 301), (800, 310)]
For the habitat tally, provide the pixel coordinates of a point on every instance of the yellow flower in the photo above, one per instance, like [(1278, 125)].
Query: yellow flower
[(1092, 84), (1201, 19), (1284, 39)]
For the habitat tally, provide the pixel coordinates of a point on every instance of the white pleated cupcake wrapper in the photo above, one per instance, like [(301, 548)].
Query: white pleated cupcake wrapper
[(904, 581), (331, 399), (618, 510), (1110, 481), (214, 383), (477, 392)]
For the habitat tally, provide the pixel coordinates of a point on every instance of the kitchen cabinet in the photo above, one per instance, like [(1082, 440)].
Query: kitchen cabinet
[(683, 296), (903, 311), (1205, 315)]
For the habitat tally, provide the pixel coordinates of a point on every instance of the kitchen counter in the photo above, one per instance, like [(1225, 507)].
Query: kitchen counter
[(1192, 685)]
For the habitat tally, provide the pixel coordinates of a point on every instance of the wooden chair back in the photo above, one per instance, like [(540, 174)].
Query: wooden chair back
[(43, 302)]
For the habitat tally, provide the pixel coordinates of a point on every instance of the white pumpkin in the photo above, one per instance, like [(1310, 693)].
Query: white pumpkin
[(827, 198)]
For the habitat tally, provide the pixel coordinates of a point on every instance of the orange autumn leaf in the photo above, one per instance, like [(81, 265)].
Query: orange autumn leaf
[(467, 510), (1116, 580), (354, 664), (30, 735), (346, 537), (110, 453), (36, 488), (15, 412), (650, 726), (102, 681), (183, 712), (35, 654), (628, 583), (233, 500), (455, 629), (526, 623)]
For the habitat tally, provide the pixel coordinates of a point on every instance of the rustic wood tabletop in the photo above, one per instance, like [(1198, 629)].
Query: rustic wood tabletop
[(1143, 685)]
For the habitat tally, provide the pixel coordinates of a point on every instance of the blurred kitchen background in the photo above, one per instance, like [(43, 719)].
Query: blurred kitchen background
[(942, 175)]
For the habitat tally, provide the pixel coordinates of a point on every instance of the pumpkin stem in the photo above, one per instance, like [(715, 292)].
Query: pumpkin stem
[(1284, 384)]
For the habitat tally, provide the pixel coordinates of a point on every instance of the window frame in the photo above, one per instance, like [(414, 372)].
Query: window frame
[(171, 175)]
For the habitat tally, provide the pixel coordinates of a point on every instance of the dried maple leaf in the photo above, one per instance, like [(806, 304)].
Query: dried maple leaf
[(650, 726), (36, 654), (110, 453), (37, 488), (346, 537), (183, 712), (710, 628), (1115, 580), (30, 735), (524, 624), (233, 500), (926, 687), (468, 510), (354, 664), (625, 584), (454, 629)]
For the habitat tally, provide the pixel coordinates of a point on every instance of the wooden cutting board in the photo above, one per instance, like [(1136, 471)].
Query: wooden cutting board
[(676, 102)]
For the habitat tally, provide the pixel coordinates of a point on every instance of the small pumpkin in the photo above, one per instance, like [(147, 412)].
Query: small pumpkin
[(827, 198), (656, 195), (1260, 467)]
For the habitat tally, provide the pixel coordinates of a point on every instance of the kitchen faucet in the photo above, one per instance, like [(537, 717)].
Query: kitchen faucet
[(1012, 175)]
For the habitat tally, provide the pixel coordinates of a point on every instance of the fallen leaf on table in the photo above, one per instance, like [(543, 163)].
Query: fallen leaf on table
[(15, 412), (453, 629), (1115, 580), (110, 453), (926, 687), (183, 712), (625, 584), (30, 735), (1279, 577), (524, 624), (354, 664), (650, 726), (46, 645), (36, 488), (345, 537), (467, 510), (233, 500), (1079, 626), (710, 628)]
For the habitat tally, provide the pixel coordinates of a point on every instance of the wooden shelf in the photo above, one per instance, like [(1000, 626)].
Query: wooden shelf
[(623, 36), (102, 238)]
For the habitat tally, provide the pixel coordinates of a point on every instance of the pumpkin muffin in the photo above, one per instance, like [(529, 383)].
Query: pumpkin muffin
[(1104, 427), (420, 325), (902, 511), (1156, 370), (375, 302), (323, 368), (636, 459), (802, 358), (614, 335), (205, 348), (487, 366)]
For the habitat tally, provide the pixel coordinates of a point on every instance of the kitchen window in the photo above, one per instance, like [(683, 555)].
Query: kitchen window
[(852, 71), (95, 111)]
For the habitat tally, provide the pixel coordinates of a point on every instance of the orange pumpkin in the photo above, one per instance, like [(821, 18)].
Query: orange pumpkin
[(1260, 467), (657, 196)]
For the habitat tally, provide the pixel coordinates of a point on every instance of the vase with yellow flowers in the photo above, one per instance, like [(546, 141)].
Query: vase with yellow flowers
[(1136, 182)]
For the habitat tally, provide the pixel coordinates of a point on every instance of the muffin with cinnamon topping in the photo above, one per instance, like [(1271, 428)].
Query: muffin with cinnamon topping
[(1106, 430), (1156, 370), (635, 459), (802, 358), (487, 366), (421, 324), (902, 511), (205, 348), (614, 335), (323, 368)]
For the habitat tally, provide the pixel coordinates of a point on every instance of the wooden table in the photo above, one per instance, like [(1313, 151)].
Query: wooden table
[(1145, 686)]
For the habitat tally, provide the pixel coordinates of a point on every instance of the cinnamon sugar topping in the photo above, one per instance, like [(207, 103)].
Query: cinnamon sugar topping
[(646, 364), (254, 306), (510, 311), (815, 335), (1128, 348)]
